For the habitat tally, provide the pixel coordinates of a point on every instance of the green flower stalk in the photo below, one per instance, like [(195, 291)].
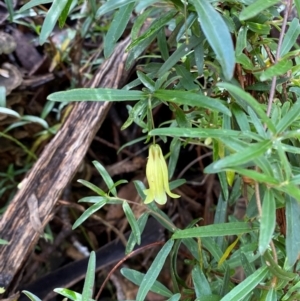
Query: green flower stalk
[(157, 176)]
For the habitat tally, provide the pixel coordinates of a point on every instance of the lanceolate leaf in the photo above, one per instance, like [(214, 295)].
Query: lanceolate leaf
[(51, 18), (268, 220), (255, 8), (154, 270), (202, 287), (112, 5), (245, 156), (217, 34), (87, 292), (204, 133), (241, 95), (100, 94), (192, 99), (292, 235), (278, 69), (290, 37), (215, 230), (137, 277), (288, 118), (246, 287), (132, 222), (33, 3), (116, 28)]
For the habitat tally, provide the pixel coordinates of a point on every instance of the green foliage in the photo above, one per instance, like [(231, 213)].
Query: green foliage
[(232, 88)]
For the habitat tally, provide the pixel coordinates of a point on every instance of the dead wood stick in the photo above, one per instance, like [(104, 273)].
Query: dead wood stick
[(54, 170)]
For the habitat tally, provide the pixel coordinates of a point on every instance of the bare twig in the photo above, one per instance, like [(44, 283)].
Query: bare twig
[(283, 28)]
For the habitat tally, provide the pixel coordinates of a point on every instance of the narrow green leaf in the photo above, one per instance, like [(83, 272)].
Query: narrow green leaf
[(241, 42), (225, 284), (245, 287), (255, 8), (36, 119), (10, 8), (106, 178), (220, 216), (68, 294), (31, 296), (137, 278), (116, 28), (241, 118), (10, 112), (3, 242), (291, 116), (111, 5), (32, 3), (175, 297), (223, 229), (201, 285), (290, 37), (248, 154), (101, 94), (181, 118), (64, 14), (174, 150), (292, 290), (187, 79), (200, 133), (276, 270), (292, 233), (92, 187), (93, 199), (245, 61), (192, 99), (271, 296), (217, 34), (259, 28), (87, 213), (132, 222), (162, 44), (280, 68), (180, 52), (132, 239), (290, 189), (154, 270), (297, 3), (212, 297), (284, 162), (139, 22), (143, 138), (161, 217), (248, 267), (239, 93), (257, 176), (267, 221), (51, 19), (257, 123), (87, 292), (199, 57), (146, 81), (93, 6), (154, 28)]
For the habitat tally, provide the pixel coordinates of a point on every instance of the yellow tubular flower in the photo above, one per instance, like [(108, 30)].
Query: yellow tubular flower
[(157, 176)]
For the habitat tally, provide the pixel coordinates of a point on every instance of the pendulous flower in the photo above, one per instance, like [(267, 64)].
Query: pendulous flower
[(157, 176)]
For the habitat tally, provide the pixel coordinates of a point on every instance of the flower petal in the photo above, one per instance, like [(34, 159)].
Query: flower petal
[(149, 196)]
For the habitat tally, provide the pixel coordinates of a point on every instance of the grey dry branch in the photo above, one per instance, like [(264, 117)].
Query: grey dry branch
[(55, 169)]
